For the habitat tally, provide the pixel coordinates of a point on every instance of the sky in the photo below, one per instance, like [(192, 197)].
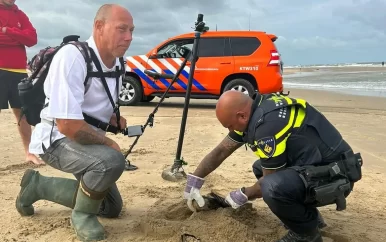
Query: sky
[(309, 32)]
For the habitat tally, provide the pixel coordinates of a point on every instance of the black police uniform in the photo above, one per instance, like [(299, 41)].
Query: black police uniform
[(286, 132)]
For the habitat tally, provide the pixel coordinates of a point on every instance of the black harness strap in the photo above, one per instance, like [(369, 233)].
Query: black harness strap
[(101, 125), (105, 74), (100, 74), (89, 52)]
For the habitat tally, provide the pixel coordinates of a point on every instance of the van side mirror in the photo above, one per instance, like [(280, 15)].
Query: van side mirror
[(153, 55)]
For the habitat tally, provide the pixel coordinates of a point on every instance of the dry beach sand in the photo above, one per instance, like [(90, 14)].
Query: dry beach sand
[(154, 209)]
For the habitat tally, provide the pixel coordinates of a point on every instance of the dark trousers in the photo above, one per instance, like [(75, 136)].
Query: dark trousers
[(284, 193), (9, 92)]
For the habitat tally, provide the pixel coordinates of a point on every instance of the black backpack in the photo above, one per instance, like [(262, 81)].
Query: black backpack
[(31, 89)]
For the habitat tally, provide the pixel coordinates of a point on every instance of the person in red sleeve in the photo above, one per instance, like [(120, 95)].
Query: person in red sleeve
[(16, 32)]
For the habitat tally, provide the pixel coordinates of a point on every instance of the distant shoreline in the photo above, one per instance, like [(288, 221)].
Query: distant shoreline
[(314, 72), (291, 70), (352, 64)]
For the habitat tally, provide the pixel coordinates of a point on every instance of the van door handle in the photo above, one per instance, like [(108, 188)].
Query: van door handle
[(225, 63)]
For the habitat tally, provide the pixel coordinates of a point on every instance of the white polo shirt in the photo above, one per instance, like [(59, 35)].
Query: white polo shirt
[(64, 87)]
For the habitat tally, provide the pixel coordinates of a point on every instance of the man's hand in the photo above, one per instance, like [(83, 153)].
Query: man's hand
[(236, 198), (4, 30), (192, 191), (122, 121)]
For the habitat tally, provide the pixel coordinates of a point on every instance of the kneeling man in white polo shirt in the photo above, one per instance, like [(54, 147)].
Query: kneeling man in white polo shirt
[(65, 141)]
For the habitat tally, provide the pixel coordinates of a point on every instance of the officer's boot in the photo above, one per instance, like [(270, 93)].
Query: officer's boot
[(83, 217), (35, 187), (321, 223), (313, 236)]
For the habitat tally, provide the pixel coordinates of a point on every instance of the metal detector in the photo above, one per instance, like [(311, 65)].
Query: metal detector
[(176, 172)]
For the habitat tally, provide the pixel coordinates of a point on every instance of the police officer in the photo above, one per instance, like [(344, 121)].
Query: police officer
[(68, 142), (284, 133)]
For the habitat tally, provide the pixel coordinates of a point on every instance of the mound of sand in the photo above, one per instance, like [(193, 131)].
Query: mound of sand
[(167, 221)]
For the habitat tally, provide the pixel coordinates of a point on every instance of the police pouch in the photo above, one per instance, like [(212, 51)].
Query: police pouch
[(351, 164), (334, 192), (325, 185)]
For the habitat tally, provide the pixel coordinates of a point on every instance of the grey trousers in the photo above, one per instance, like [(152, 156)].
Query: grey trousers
[(98, 166)]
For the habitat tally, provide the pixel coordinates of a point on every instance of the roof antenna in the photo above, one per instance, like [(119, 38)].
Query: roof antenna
[(216, 27)]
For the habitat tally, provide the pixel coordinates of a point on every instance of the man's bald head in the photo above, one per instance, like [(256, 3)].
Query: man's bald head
[(113, 29), (106, 11), (231, 101), (233, 110)]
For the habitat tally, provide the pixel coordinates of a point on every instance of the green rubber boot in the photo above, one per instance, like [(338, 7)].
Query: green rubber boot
[(83, 217), (35, 187)]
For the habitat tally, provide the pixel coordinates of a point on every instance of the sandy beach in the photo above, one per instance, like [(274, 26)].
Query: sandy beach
[(154, 209)]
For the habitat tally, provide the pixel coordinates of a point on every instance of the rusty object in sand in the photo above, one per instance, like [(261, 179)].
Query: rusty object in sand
[(213, 201)]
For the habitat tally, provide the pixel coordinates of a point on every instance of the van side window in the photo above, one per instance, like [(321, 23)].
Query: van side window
[(172, 49), (244, 46), (212, 47)]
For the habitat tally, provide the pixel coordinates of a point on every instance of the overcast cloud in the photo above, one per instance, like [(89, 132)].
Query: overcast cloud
[(310, 32)]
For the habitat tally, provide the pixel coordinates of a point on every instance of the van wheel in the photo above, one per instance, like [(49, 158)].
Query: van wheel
[(240, 85), (131, 93)]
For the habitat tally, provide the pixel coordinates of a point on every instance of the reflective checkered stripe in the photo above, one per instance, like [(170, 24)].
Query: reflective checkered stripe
[(166, 66)]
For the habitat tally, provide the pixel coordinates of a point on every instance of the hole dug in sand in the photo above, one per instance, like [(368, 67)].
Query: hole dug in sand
[(168, 220)]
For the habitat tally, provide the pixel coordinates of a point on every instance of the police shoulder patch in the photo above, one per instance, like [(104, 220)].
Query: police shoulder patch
[(267, 145)]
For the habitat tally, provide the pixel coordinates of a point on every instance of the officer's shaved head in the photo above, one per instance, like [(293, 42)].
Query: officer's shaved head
[(233, 110)]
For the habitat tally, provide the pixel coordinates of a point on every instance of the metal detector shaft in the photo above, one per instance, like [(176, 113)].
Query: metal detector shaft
[(151, 116), (178, 161)]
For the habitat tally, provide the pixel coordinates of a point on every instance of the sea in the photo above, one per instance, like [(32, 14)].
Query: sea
[(356, 80)]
